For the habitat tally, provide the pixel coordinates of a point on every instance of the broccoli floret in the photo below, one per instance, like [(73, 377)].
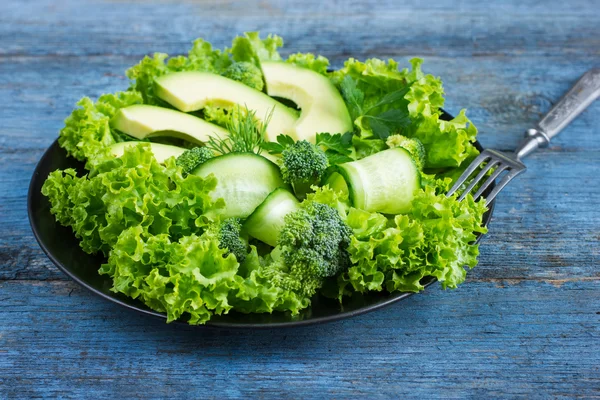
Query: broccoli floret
[(314, 245), (230, 238), (190, 159), (302, 165), (246, 73), (413, 146)]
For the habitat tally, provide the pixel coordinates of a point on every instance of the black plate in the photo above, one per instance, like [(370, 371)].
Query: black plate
[(61, 246)]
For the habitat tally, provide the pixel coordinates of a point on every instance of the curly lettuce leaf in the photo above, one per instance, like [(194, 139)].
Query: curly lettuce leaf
[(87, 134), (417, 114), (433, 239), (191, 276), (251, 48), (133, 190), (318, 64)]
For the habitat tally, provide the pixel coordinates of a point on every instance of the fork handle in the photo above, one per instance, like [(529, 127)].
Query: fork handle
[(577, 99)]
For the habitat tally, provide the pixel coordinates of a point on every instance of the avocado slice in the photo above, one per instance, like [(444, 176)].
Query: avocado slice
[(192, 90), (161, 151), (323, 108), (143, 121)]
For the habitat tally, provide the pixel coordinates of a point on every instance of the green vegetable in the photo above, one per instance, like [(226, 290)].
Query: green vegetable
[(87, 134), (303, 164), (193, 158), (307, 60), (246, 73), (338, 147), (267, 220), (190, 277), (230, 238), (244, 180), (246, 133), (413, 146), (160, 151), (314, 241), (433, 239), (251, 48), (384, 100), (132, 190), (384, 182)]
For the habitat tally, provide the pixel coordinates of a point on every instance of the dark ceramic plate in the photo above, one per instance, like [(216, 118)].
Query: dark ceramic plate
[(61, 246)]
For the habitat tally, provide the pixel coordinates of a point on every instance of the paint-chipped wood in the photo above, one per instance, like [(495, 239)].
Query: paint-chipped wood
[(526, 323)]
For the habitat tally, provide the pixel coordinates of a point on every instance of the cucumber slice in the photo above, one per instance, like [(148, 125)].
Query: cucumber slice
[(161, 151), (336, 182), (244, 180), (267, 220), (383, 182)]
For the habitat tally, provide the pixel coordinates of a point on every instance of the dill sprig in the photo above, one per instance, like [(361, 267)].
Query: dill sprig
[(246, 133)]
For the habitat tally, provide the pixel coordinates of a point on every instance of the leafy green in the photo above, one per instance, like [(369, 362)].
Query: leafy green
[(434, 239), (338, 148), (384, 100), (307, 60), (190, 276), (132, 190), (87, 134), (252, 48)]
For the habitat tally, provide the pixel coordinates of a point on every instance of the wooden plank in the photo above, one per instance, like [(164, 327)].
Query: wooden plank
[(345, 28), (529, 339)]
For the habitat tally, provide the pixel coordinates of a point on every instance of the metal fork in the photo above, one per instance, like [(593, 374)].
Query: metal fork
[(577, 99)]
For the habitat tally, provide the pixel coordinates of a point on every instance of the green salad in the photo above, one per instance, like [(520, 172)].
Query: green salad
[(237, 179)]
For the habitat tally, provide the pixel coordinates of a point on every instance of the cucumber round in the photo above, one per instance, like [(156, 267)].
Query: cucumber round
[(268, 219), (244, 180), (383, 182), (336, 182)]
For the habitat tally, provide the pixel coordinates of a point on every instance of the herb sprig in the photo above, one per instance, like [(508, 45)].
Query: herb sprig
[(246, 133)]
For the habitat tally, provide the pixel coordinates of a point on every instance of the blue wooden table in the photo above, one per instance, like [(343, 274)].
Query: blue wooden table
[(525, 324)]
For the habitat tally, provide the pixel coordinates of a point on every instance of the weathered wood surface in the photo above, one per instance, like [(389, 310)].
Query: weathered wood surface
[(527, 322)]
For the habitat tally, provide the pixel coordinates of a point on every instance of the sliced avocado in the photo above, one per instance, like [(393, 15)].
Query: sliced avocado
[(161, 151), (323, 108), (143, 121), (191, 91)]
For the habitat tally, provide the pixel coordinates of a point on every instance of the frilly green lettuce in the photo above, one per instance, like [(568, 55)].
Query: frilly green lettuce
[(448, 143), (87, 134), (133, 190), (434, 239), (191, 276)]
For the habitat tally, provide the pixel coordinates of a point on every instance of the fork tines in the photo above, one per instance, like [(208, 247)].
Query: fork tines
[(490, 163)]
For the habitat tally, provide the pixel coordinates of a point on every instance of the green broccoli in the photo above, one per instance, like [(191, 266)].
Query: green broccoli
[(190, 159), (303, 164), (313, 245), (413, 146), (246, 73), (230, 238)]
